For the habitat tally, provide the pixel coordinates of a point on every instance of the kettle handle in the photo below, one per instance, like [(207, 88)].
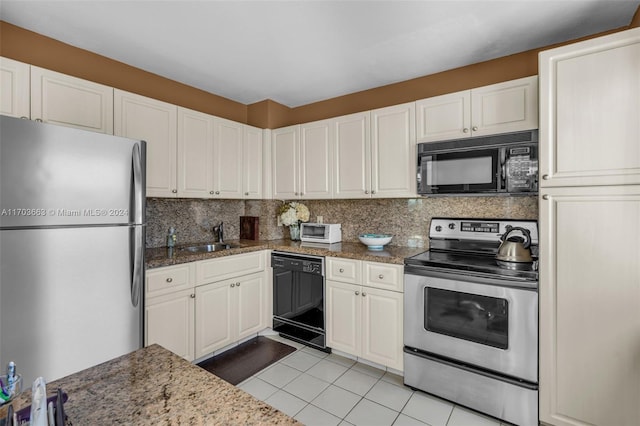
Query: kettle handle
[(525, 232)]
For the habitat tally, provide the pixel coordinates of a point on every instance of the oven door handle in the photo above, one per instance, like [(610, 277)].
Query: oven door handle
[(476, 277)]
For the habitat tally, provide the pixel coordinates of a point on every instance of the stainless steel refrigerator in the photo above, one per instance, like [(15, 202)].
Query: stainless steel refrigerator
[(72, 236)]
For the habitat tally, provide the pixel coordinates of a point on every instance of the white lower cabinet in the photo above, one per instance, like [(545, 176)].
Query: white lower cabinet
[(228, 311), (193, 317), (169, 322), (363, 320), (169, 308)]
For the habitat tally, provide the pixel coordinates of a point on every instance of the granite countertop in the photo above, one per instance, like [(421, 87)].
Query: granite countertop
[(161, 256), (153, 386)]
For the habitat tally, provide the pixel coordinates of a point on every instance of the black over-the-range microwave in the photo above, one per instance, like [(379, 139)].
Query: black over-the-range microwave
[(500, 165)]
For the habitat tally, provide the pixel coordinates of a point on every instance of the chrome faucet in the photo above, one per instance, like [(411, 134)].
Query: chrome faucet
[(218, 232)]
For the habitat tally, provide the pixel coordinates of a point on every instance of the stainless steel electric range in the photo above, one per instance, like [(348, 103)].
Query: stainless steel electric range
[(470, 322)]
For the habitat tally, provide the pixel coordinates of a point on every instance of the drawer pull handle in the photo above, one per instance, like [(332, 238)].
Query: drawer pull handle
[(381, 276), (169, 279), (545, 177), (545, 197)]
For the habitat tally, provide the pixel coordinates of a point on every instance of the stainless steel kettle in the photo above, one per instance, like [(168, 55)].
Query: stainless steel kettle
[(515, 248)]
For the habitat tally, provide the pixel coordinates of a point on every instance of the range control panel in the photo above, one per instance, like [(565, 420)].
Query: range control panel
[(478, 229)]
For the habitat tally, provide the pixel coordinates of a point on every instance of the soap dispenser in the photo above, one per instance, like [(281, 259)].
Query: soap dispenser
[(171, 237)]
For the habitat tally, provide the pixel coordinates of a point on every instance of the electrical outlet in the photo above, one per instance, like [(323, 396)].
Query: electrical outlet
[(319, 219)]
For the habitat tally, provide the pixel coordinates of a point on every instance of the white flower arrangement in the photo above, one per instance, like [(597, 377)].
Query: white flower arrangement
[(293, 212)]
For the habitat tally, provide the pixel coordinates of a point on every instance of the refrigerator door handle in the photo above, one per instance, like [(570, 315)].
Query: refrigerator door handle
[(137, 263), (138, 184)]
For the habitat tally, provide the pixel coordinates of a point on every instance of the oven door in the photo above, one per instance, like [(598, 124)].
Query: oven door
[(480, 321), (459, 172)]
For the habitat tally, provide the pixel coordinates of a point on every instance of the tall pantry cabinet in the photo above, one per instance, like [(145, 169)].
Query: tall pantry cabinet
[(590, 232)]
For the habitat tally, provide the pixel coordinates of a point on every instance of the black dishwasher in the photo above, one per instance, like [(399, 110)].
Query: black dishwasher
[(298, 298)]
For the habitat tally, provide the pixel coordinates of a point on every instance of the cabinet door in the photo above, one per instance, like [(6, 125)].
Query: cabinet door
[(252, 163), (14, 88), (590, 305), (590, 109), (250, 309), (169, 322), (352, 156), (227, 159), (155, 122), (505, 107), (382, 327), (444, 117), (316, 156), (69, 101), (215, 311), (393, 151), (343, 316), (285, 162), (195, 154)]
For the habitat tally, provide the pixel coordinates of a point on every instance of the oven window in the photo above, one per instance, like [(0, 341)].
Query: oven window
[(472, 317)]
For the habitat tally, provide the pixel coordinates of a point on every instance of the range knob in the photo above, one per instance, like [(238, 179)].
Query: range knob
[(438, 228), (452, 225)]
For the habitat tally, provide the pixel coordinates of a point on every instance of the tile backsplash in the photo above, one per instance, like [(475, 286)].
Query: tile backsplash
[(404, 218)]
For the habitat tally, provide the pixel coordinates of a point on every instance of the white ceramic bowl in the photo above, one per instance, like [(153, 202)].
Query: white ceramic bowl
[(375, 241)]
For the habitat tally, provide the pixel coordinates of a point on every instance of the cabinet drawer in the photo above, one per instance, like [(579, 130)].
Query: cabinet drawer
[(169, 279), (383, 276), (344, 270), (208, 271)]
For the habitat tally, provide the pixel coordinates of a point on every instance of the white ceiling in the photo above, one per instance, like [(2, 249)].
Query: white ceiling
[(299, 52)]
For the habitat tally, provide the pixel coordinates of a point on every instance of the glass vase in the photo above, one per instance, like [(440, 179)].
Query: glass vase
[(294, 232)]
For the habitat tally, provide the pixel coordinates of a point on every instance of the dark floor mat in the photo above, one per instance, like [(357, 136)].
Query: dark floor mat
[(246, 359)]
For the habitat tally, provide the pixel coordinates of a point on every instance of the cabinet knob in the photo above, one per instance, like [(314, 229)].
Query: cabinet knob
[(295, 193), (341, 270), (39, 120), (545, 197), (301, 194), (169, 279), (465, 130), (366, 191), (217, 192), (364, 294), (246, 193), (211, 192), (24, 118), (237, 284), (381, 276), (545, 177), (357, 293), (174, 191), (373, 192), (193, 296), (474, 128), (233, 285)]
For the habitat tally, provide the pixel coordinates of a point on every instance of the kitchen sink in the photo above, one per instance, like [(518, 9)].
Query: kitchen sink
[(205, 248)]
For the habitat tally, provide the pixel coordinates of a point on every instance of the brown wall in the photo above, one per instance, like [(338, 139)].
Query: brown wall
[(33, 48)]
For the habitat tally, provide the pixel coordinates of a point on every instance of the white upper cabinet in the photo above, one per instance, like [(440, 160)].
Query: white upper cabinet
[(14, 88), (252, 163), (444, 117), (155, 122), (393, 151), (590, 112), (499, 108), (69, 101), (352, 156), (285, 156), (316, 160), (195, 154), (301, 157), (227, 158)]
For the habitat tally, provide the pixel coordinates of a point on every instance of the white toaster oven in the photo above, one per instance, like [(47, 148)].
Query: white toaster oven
[(327, 233)]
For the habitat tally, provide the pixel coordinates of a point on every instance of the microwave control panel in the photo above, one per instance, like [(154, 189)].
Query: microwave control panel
[(521, 169)]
